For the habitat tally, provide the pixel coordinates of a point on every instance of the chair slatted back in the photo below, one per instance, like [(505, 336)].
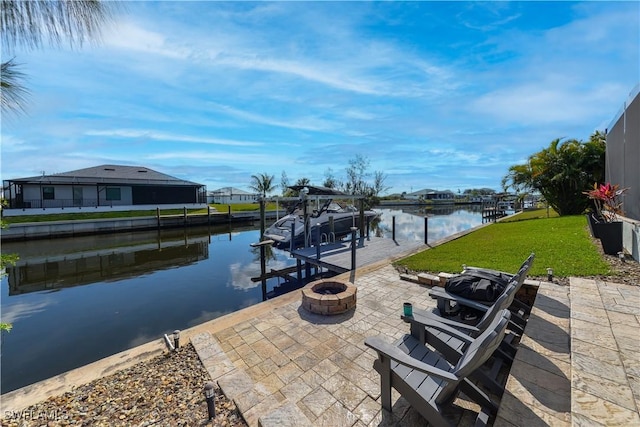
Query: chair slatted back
[(483, 346), (507, 296), (504, 301)]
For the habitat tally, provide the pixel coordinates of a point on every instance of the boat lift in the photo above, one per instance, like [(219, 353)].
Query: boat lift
[(313, 193), (307, 193)]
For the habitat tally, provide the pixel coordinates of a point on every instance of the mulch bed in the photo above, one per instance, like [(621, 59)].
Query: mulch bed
[(165, 391)]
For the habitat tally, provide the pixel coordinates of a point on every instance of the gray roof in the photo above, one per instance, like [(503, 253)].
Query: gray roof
[(226, 191), (109, 174), (429, 191)]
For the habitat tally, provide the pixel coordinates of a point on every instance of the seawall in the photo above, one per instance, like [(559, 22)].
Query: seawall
[(55, 229)]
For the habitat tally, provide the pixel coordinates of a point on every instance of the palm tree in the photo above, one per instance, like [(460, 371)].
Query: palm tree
[(561, 173), (33, 24), (262, 183), (303, 182)]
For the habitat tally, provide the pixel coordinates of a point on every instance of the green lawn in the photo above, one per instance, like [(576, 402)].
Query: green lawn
[(562, 243), (95, 215), (240, 207), (245, 207), (531, 214)]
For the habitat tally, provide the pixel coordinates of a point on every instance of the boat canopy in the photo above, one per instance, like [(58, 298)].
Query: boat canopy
[(316, 190)]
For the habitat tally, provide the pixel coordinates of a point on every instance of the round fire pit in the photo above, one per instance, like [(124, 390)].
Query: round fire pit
[(329, 296)]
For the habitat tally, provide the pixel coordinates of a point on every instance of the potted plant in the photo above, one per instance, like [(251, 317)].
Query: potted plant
[(592, 221), (604, 222)]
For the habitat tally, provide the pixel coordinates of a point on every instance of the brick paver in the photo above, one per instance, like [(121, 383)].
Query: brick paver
[(297, 368), (578, 362), (605, 350)]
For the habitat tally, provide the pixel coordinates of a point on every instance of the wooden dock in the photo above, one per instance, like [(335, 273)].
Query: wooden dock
[(338, 257), (492, 212)]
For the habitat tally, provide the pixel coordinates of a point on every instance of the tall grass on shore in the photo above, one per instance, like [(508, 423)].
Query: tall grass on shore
[(562, 243)]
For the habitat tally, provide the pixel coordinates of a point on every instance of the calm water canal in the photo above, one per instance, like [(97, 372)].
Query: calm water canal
[(74, 301)]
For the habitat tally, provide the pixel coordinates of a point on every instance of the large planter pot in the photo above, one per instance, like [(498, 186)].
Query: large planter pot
[(610, 235), (593, 222)]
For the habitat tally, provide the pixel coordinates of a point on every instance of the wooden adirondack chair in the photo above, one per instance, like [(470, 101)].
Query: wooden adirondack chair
[(428, 381), (451, 339), (520, 310)]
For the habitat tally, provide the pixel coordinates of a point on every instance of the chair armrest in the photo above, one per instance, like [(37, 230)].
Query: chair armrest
[(449, 330), (426, 322), (437, 293), (424, 316), (394, 353)]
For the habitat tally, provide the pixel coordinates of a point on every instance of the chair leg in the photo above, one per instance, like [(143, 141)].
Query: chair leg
[(385, 383), (478, 396)]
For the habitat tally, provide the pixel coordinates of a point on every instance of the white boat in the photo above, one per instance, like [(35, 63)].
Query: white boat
[(334, 222)]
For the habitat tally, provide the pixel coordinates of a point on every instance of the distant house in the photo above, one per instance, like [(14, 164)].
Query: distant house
[(106, 185), (429, 194), (231, 195)]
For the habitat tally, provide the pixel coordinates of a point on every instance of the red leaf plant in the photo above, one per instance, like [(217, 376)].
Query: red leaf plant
[(606, 198)]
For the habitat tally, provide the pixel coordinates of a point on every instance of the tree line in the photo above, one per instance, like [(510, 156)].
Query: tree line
[(359, 181), (561, 173)]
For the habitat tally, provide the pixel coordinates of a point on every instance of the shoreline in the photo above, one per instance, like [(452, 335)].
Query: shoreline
[(19, 399), (75, 228)]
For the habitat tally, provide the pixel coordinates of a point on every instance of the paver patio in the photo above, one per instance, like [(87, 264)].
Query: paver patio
[(291, 367), (578, 362)]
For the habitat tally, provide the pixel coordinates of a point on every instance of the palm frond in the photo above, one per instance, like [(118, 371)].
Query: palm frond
[(33, 24), (13, 92)]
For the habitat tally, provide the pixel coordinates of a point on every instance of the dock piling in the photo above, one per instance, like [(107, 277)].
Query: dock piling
[(353, 248), (426, 230), (318, 241), (393, 228), (262, 217)]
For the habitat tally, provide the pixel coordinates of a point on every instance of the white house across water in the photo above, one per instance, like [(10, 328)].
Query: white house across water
[(102, 186)]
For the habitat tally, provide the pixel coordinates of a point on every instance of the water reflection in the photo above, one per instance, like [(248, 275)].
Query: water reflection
[(84, 268), (442, 221), (99, 295), (73, 301)]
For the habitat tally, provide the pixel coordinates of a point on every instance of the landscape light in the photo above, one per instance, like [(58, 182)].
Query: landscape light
[(176, 339), (209, 393), (550, 274)]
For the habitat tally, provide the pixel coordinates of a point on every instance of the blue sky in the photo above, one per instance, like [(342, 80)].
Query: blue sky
[(443, 95)]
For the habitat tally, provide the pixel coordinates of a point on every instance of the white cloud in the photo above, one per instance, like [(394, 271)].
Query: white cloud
[(14, 312), (241, 274), (305, 123), (221, 157), (159, 136), (13, 144), (129, 36)]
